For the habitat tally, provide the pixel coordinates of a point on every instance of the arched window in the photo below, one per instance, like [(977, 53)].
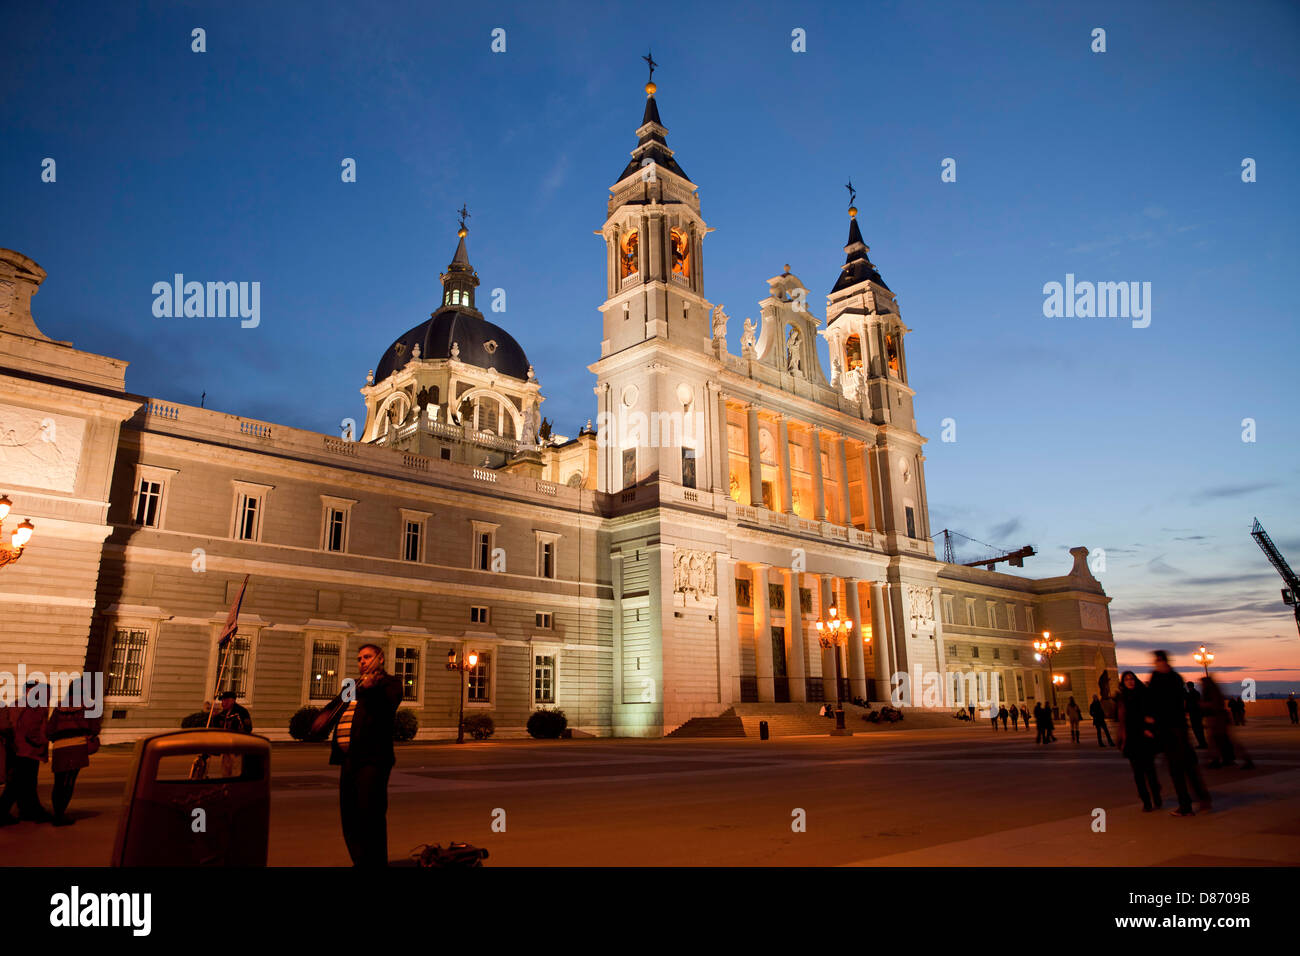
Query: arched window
[(852, 353), (627, 253), (891, 352), (681, 253)]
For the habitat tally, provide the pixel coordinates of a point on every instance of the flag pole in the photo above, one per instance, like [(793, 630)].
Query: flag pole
[(199, 769)]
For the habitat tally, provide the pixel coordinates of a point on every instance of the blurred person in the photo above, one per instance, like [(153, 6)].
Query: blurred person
[(1195, 715), (73, 738), (1015, 717), (30, 750), (1137, 739), (1098, 714), (1292, 708), (1039, 725), (1002, 713), (1073, 714), (7, 716), (1024, 716), (1167, 706), (362, 748), (1224, 750)]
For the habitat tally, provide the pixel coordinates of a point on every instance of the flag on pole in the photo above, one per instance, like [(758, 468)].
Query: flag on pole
[(232, 619)]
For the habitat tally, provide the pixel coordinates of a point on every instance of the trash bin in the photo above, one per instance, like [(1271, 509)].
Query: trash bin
[(169, 819), (762, 730), (839, 720)]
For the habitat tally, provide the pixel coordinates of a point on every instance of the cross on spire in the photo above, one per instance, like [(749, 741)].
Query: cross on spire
[(464, 214), (853, 193), (650, 61)]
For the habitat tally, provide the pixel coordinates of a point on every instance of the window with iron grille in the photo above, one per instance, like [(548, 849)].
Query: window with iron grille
[(148, 503), (406, 665), (234, 675), (324, 669), (126, 662), (480, 679), (411, 541), (543, 679)]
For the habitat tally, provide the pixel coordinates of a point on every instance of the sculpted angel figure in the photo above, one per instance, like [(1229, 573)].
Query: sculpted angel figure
[(749, 339), (793, 361)]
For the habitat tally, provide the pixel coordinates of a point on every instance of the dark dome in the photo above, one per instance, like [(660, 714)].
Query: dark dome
[(481, 343)]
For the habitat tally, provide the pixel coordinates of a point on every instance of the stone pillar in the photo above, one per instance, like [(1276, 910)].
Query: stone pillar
[(827, 598), (940, 651), (857, 662), (755, 465), (868, 490), (844, 485), (794, 664), (819, 486), (728, 635), (880, 641), (787, 493), (898, 625), (762, 634), (723, 468)]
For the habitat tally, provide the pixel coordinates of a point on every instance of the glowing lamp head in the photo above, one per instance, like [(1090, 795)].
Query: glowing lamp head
[(471, 659), (5, 505), (23, 534)]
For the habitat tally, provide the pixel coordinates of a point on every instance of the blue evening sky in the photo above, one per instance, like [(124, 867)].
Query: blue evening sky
[(1116, 166)]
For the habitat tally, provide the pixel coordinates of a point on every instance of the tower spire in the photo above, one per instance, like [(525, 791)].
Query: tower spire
[(460, 279), (857, 264), (652, 135)]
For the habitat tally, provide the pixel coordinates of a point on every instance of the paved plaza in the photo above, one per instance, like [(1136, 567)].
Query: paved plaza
[(964, 796)]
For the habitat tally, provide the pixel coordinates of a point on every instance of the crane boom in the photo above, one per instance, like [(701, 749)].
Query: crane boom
[(1290, 593)]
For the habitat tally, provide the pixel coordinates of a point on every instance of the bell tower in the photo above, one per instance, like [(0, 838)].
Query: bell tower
[(654, 237)]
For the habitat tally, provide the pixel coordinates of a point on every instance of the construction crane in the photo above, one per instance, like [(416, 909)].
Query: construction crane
[(1290, 593), (1015, 558)]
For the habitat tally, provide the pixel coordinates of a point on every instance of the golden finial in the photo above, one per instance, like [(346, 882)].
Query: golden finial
[(650, 89), (853, 212)]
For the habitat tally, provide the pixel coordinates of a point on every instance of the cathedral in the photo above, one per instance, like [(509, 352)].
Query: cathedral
[(692, 554)]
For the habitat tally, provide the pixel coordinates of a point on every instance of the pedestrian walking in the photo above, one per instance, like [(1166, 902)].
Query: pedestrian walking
[(1224, 750), (1024, 716), (1238, 708), (1015, 717), (1039, 725), (1137, 739), (1003, 714), (1292, 708), (1073, 714), (73, 738), (363, 715), (1167, 704), (993, 716), (1049, 724), (30, 750), (1098, 714), (1195, 715)]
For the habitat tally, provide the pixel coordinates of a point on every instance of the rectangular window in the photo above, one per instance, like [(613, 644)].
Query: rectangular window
[(776, 596), (1015, 655), (805, 601), (947, 610), (406, 665), (543, 620), (335, 526), (148, 503), (480, 679), (543, 679), (1020, 687), (546, 559), (411, 541), (126, 662), (974, 651), (234, 676), (997, 653), (478, 614), (970, 612), (742, 592), (444, 454), (324, 669), (688, 467), (483, 551), (248, 517), (1029, 619), (911, 521), (1011, 617), (952, 651), (993, 613)]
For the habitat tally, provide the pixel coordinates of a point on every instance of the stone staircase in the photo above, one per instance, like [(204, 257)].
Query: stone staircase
[(803, 720)]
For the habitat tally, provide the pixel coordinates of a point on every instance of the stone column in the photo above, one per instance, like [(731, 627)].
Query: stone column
[(898, 625), (941, 652), (857, 662), (827, 598), (880, 641), (794, 664), (787, 493), (762, 634), (755, 465), (723, 468), (728, 635), (844, 485), (868, 490), (819, 486)]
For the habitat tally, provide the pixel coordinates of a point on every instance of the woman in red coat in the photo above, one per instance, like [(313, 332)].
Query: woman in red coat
[(73, 738)]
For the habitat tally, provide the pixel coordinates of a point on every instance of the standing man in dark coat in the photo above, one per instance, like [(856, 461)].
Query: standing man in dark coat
[(1292, 708), (1167, 705), (1098, 715), (363, 716), (1137, 739), (1195, 715), (30, 750)]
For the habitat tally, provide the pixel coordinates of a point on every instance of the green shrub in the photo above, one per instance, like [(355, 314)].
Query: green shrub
[(406, 724), (547, 724), (479, 726), (198, 719), (300, 723)]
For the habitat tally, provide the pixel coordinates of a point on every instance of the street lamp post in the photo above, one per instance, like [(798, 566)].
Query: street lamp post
[(464, 665), (833, 633), (1047, 649), (21, 535), (1204, 658)]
